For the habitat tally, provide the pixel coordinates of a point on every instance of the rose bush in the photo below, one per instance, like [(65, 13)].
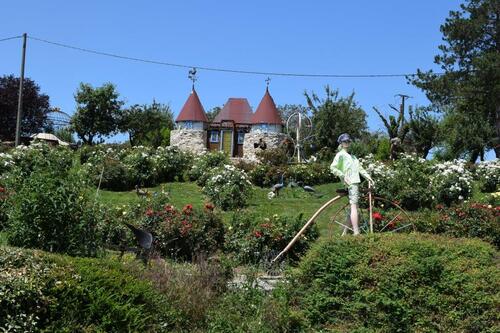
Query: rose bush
[(228, 187), (253, 238), (184, 234)]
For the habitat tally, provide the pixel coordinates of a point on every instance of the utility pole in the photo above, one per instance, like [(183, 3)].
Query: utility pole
[(403, 97), (20, 99)]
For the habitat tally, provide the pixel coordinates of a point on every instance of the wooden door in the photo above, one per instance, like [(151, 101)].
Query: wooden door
[(227, 142)]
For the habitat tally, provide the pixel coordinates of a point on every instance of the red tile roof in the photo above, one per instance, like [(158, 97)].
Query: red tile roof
[(236, 109), (266, 112), (192, 109)]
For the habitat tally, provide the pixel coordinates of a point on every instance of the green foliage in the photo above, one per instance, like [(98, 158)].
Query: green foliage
[(251, 238), (171, 164), (140, 166), (335, 115), (42, 292), (148, 125), (35, 107), (53, 212), (383, 152), (249, 309), (309, 174), (97, 112), (205, 164), (227, 187), (465, 220), (65, 134), (273, 156), (468, 91), (184, 234), (424, 130), (393, 283)]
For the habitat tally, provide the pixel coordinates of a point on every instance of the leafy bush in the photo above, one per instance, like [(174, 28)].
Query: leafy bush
[(311, 174), (265, 175), (25, 159), (171, 163), (451, 182), (391, 283), (228, 187), (273, 156), (3, 206), (49, 293), (488, 174), (184, 234), (205, 164), (141, 166), (252, 239), (53, 212), (250, 309), (465, 220)]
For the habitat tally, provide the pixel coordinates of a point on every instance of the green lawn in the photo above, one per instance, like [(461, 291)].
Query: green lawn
[(291, 201)]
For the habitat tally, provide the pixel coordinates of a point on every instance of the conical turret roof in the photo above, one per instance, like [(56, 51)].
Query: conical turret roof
[(266, 112), (192, 109)]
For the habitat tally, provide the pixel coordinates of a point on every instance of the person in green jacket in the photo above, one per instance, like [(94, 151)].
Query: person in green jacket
[(347, 168)]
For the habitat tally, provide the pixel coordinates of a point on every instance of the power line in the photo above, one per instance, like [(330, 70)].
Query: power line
[(217, 69), (9, 38)]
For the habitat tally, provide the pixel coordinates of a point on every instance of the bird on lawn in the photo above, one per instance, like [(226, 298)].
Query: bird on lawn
[(140, 192), (309, 189), (276, 188)]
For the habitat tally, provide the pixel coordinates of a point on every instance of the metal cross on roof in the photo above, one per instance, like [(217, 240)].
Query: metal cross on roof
[(192, 75)]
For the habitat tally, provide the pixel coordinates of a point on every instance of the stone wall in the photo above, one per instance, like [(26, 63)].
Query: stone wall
[(193, 141), (272, 140)]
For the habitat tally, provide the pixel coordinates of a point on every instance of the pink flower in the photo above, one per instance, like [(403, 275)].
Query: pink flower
[(377, 216)]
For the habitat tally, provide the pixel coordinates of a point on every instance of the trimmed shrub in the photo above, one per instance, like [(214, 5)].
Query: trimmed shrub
[(42, 292), (141, 167), (398, 283), (251, 239), (53, 212), (227, 187)]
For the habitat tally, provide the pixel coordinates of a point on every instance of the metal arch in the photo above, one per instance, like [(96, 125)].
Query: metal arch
[(58, 118)]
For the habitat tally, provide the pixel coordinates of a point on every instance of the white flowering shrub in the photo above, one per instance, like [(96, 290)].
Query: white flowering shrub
[(6, 163), (171, 163), (204, 164), (228, 187), (452, 181), (488, 174), (406, 181), (141, 166)]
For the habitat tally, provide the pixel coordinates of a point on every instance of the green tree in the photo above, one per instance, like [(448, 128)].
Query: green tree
[(97, 112), (469, 90), (424, 130), (334, 115), (148, 125), (213, 113), (35, 107)]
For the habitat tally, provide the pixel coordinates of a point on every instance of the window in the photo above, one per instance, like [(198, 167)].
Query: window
[(188, 124), (214, 136), (241, 137)]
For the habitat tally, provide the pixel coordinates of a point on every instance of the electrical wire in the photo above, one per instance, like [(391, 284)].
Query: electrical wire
[(218, 69), (9, 38)]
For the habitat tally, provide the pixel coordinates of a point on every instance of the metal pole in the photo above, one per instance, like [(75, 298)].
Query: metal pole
[(298, 138), (20, 99)]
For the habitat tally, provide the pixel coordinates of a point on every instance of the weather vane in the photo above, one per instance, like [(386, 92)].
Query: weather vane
[(268, 80), (192, 75)]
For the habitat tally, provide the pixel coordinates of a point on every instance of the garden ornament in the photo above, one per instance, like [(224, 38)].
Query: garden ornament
[(144, 239), (277, 187)]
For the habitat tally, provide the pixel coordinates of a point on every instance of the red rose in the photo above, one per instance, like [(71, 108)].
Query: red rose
[(377, 216), (257, 234), (209, 206), (187, 209), (149, 212)]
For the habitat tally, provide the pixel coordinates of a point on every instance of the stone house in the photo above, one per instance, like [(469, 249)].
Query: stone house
[(236, 130)]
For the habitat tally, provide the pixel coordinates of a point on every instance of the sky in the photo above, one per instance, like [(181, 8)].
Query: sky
[(315, 37)]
